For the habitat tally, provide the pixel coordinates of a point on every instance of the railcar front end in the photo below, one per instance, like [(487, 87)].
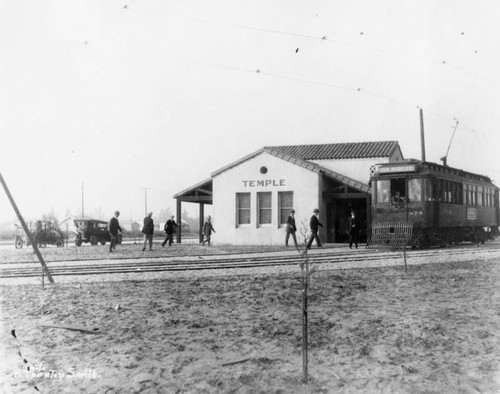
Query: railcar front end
[(444, 205)]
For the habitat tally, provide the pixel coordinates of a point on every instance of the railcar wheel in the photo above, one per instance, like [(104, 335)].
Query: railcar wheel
[(421, 241)]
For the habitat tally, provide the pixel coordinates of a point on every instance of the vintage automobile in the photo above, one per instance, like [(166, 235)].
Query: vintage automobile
[(93, 231), (43, 232)]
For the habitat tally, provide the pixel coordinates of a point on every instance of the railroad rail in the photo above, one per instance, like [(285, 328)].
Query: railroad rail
[(159, 264)]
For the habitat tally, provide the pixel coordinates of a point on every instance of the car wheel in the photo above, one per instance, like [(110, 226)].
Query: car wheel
[(60, 243), (19, 243), (94, 240), (78, 241), (103, 242)]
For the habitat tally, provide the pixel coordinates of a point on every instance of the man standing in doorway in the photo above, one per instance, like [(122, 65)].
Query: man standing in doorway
[(148, 230), (352, 229), (113, 228), (169, 229), (291, 228), (314, 225)]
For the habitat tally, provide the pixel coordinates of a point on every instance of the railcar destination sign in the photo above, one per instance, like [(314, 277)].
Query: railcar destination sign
[(391, 169), (264, 182)]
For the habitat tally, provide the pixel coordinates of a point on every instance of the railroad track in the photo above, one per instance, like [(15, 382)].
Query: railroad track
[(159, 264)]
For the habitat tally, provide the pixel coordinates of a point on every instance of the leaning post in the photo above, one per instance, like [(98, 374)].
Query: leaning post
[(305, 339), (26, 230)]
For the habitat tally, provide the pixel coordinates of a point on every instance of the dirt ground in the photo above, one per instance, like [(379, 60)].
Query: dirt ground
[(432, 329)]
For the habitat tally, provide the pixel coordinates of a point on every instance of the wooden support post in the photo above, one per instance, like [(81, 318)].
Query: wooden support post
[(179, 221), (201, 220), (27, 231)]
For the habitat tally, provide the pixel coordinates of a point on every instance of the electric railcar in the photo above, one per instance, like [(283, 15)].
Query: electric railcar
[(445, 205)]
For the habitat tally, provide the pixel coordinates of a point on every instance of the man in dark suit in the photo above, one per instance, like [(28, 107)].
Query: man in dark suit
[(113, 228), (207, 230), (169, 229), (291, 228), (314, 225), (352, 229), (148, 229)]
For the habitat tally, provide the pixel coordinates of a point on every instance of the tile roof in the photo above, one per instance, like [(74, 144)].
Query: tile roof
[(349, 150), (300, 154), (360, 186)]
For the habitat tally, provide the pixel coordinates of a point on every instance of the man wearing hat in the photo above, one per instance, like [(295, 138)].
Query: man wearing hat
[(314, 225), (352, 229), (148, 229), (113, 228), (291, 228)]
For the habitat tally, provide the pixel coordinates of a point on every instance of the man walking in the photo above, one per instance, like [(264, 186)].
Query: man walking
[(207, 230), (148, 229), (169, 229), (352, 229), (291, 228), (314, 225), (113, 228)]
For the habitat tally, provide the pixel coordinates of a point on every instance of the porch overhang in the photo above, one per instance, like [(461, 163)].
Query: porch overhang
[(201, 193)]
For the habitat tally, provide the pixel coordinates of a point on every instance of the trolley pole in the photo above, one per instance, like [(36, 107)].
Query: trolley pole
[(45, 269)]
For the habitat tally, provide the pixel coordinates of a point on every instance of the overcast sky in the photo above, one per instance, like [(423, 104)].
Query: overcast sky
[(126, 95)]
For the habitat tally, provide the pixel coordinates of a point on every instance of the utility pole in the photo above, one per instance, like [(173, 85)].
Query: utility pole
[(422, 136), (83, 205)]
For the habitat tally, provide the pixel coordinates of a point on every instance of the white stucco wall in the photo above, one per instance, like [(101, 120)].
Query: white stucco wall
[(286, 176)]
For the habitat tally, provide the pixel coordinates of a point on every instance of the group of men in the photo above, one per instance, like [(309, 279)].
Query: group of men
[(208, 229), (148, 231), (315, 224)]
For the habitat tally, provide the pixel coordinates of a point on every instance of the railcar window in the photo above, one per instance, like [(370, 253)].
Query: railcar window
[(415, 190), (450, 191), (429, 196), (398, 190), (383, 189), (471, 194), (458, 193), (440, 190)]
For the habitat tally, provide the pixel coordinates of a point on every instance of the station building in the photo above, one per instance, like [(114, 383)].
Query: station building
[(252, 197)]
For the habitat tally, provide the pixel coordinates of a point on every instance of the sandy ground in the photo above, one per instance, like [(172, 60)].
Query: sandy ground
[(432, 329)]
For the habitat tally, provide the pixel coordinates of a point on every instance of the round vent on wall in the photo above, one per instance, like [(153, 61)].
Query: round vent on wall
[(263, 170)]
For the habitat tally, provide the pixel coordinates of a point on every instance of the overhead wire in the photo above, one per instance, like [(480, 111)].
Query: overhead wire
[(322, 38), (320, 83)]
